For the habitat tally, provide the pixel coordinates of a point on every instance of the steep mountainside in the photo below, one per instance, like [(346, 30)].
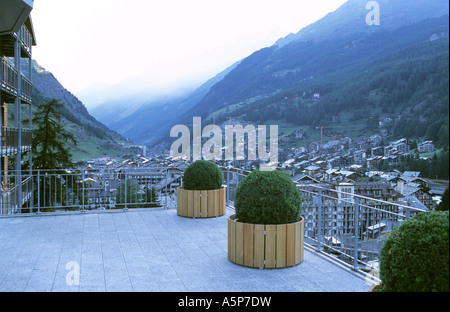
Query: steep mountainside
[(330, 56), (395, 70), (93, 138), (154, 118), (271, 69), (351, 18)]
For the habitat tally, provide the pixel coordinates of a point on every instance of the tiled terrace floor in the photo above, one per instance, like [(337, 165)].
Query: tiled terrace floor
[(145, 250)]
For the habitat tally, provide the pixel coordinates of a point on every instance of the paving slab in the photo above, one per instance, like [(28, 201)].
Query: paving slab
[(146, 250)]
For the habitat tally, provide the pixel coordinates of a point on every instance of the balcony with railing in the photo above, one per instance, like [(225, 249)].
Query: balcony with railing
[(121, 230), (9, 77), (9, 82), (26, 40), (9, 141), (27, 89), (347, 227)]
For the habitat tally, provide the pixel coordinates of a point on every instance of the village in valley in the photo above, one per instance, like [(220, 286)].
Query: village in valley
[(342, 161)]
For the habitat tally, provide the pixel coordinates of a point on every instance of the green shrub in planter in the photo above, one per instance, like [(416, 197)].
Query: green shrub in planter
[(202, 175), (415, 257), (268, 197)]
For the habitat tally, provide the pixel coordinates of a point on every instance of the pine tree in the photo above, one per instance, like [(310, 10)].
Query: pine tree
[(443, 205), (49, 142)]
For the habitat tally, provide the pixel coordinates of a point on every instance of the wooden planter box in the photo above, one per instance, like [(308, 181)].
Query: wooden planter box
[(265, 246), (201, 204)]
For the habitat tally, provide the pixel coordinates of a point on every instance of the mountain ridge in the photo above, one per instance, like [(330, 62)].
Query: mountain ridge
[(94, 139), (351, 18), (245, 83), (337, 44), (257, 71)]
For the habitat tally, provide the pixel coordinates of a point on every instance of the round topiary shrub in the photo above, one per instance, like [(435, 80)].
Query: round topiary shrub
[(202, 175), (268, 197), (415, 257)]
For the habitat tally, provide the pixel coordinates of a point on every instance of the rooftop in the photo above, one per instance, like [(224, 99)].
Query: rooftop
[(146, 250)]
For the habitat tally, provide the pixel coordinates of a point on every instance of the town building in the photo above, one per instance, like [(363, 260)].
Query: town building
[(426, 147), (399, 147), (378, 204), (16, 41)]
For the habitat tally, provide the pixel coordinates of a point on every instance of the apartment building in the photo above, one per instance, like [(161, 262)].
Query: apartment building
[(398, 147), (16, 41), (376, 202), (426, 147)]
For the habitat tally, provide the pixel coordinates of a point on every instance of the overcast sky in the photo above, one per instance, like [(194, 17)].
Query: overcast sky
[(88, 42)]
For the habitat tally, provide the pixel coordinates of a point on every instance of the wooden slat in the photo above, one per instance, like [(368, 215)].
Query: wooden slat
[(211, 203), (222, 201), (179, 201), (184, 209), (248, 244), (204, 204), (281, 246), (259, 246), (196, 204), (190, 204), (239, 243), (270, 246), (302, 241), (231, 240), (216, 202), (290, 244), (298, 243)]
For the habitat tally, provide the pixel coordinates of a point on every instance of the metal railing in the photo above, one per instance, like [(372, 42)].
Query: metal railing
[(26, 39), (349, 227), (8, 76), (53, 191), (15, 194), (9, 141), (9, 81), (26, 88)]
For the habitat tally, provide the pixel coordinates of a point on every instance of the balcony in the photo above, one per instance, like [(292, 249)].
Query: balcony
[(9, 83), (151, 250), (100, 222), (26, 40), (27, 89), (9, 141), (9, 77)]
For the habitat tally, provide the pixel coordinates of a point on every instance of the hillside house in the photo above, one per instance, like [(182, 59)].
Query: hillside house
[(304, 179), (378, 190), (426, 147), (359, 157), (418, 190), (312, 170), (375, 140), (400, 147), (373, 162), (413, 202)]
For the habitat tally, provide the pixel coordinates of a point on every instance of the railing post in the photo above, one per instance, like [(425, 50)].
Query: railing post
[(126, 198), (228, 185), (165, 187), (319, 234), (355, 263), (39, 191), (82, 192)]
